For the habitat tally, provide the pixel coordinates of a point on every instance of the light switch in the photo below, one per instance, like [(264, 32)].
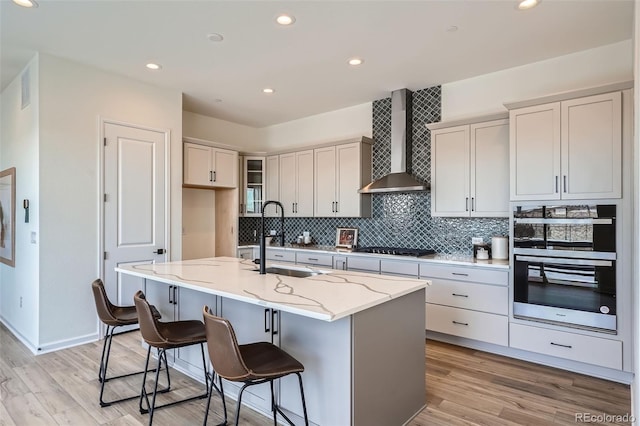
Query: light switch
[(33, 237)]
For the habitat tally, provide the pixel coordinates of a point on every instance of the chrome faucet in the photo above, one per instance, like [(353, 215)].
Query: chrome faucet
[(263, 249)]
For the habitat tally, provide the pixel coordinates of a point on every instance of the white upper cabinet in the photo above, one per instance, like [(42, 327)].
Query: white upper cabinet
[(296, 183), (272, 185), (209, 166), (340, 171), (570, 149), (470, 169)]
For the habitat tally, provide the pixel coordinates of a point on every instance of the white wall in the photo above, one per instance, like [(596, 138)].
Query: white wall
[(73, 99), (244, 138), (487, 93), (342, 124), (19, 131)]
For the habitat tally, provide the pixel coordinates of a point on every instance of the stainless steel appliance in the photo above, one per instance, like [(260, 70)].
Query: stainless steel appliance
[(565, 265), (399, 251)]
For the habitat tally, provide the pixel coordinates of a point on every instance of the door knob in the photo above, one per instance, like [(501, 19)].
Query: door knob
[(160, 251)]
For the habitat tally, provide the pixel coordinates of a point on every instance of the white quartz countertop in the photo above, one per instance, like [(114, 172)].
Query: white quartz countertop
[(327, 297), (451, 259)]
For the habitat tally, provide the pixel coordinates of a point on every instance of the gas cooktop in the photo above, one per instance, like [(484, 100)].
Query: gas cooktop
[(396, 251)]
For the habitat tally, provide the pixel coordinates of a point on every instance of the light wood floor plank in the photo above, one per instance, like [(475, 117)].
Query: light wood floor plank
[(465, 387)]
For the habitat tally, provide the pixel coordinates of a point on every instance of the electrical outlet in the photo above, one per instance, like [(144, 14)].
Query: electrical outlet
[(476, 240)]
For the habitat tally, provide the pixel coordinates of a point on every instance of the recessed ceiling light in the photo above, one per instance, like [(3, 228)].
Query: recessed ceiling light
[(285, 19), (26, 3), (268, 90), (528, 4), (356, 61), (452, 29), (153, 66), (215, 37)]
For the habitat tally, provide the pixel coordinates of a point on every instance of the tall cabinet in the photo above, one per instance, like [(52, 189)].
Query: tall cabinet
[(470, 167), (296, 183), (566, 149), (341, 170)]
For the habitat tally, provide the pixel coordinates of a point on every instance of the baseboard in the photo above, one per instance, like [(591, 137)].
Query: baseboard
[(618, 376), (19, 336)]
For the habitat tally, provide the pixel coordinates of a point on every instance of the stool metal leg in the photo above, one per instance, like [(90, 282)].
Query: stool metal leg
[(304, 404), (220, 392)]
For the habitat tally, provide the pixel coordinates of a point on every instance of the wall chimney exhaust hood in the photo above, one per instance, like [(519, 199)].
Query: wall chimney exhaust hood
[(400, 179)]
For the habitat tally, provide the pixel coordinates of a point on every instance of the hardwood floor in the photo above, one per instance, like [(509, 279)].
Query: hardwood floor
[(464, 387)]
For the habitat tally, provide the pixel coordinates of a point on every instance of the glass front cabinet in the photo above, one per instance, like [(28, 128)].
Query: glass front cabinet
[(253, 188)]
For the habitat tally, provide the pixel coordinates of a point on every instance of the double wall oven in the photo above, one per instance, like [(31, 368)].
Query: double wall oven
[(565, 265)]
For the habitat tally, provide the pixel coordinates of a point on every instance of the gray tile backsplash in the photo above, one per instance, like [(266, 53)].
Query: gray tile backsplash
[(398, 219)]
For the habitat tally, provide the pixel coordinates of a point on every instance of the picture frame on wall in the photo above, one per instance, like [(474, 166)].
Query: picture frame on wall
[(8, 216), (346, 238)]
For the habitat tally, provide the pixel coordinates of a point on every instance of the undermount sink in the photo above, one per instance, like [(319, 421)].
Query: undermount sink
[(294, 272)]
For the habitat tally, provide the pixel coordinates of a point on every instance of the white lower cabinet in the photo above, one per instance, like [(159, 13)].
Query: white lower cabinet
[(365, 264), (472, 303), (248, 253), (281, 255), (490, 328), (314, 259), (576, 347), (398, 267)]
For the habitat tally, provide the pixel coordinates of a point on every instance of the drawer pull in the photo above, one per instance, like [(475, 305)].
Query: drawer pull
[(314, 259), (460, 323), (278, 255), (460, 274), (561, 345), (459, 295)]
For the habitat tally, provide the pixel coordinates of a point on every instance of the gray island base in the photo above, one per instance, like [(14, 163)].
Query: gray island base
[(360, 336)]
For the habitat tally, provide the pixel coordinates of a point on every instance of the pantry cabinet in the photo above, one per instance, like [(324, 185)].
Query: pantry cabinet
[(206, 166), (296, 183), (340, 171), (470, 167), (568, 149)]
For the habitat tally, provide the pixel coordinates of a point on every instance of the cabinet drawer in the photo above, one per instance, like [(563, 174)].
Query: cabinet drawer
[(478, 297), (394, 267), (577, 347), (315, 259), (363, 264), (281, 255), (459, 273), (481, 326)]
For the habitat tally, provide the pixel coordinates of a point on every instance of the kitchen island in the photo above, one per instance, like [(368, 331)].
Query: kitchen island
[(360, 336)]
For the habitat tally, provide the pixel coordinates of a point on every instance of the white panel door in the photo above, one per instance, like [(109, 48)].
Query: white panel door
[(450, 172), (490, 169), (535, 152), (592, 147), (304, 168), (134, 206), (325, 181), (348, 171)]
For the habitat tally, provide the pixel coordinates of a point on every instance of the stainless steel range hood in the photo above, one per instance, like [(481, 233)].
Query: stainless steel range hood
[(399, 180)]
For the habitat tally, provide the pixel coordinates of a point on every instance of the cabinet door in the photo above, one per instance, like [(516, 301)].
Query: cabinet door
[(324, 181), (254, 178), (241, 186), (287, 177), (249, 323), (189, 304), (534, 145), (304, 178), (348, 176), (197, 165), (272, 186), (324, 348), (450, 172), (225, 171), (490, 169), (592, 147)]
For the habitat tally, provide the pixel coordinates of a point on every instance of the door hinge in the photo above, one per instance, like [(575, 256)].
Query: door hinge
[(105, 141), (106, 255)]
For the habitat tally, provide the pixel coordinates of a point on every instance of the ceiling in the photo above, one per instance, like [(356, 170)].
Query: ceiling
[(404, 44)]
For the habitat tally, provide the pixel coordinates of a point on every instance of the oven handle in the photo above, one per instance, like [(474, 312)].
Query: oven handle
[(564, 261), (550, 221)]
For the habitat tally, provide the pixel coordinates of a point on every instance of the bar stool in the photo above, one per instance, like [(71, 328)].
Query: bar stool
[(163, 336), (113, 317), (252, 364)]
